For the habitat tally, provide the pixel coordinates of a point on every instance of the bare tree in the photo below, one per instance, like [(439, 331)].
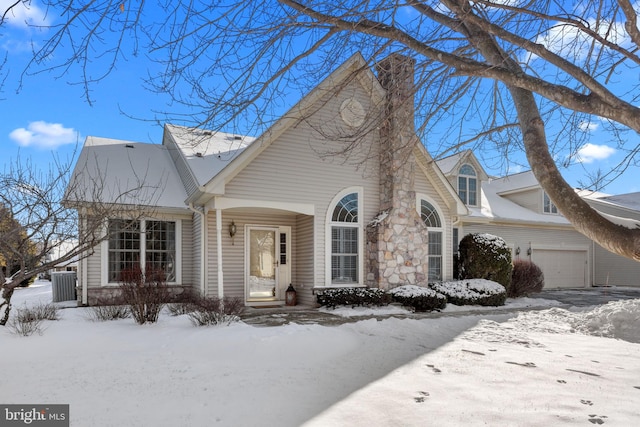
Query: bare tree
[(44, 211), (507, 74)]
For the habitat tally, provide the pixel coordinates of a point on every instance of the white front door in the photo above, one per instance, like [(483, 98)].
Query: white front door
[(268, 262), (262, 263)]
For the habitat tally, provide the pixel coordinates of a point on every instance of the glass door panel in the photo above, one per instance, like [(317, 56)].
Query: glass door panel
[(262, 263)]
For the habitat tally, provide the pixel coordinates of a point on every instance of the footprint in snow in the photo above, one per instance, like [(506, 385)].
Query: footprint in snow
[(562, 381), (436, 370), (586, 402), (597, 419), (526, 364), (422, 397), (473, 352)]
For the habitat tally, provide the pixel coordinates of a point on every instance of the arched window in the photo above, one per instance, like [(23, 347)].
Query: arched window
[(432, 220), (344, 238), (468, 185)]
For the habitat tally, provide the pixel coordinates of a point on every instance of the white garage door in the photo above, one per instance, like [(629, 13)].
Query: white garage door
[(562, 268)]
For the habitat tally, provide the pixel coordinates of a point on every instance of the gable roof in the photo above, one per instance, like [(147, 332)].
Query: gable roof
[(355, 67), (515, 183), (206, 152), (124, 172), (450, 165)]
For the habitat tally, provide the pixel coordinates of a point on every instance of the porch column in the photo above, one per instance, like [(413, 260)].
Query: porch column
[(219, 250)]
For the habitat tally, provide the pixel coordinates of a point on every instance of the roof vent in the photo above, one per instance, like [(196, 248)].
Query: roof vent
[(198, 154), (237, 138), (207, 132), (129, 145)]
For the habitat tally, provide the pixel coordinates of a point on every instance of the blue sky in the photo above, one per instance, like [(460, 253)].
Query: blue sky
[(47, 116)]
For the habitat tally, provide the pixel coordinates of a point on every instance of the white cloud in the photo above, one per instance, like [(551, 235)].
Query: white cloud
[(589, 153), (588, 126), (23, 14), (44, 135)]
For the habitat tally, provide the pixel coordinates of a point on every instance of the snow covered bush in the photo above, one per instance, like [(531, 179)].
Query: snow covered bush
[(144, 293), (526, 279), (485, 256), (420, 298), (353, 296), (215, 311), (472, 292)]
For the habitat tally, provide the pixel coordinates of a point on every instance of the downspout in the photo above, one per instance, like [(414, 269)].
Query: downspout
[(85, 291), (593, 264), (219, 248), (203, 246)]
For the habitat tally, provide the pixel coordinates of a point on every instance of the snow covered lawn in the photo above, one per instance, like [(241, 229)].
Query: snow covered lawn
[(539, 368)]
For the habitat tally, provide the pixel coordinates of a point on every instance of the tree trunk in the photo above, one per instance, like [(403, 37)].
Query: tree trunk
[(615, 238)]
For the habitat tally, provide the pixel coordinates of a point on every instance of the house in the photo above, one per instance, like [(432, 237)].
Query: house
[(241, 217), (516, 208), (339, 192)]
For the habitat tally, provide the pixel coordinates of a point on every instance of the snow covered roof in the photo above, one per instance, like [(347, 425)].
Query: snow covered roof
[(495, 207), (447, 164), (124, 172), (629, 200), (516, 182), (207, 152)]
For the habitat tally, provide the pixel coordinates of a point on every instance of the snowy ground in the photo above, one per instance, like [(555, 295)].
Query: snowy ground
[(539, 368)]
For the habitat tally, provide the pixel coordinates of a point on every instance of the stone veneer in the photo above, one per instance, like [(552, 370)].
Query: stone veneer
[(397, 240)]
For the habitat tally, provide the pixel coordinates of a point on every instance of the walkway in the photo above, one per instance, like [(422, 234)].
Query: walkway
[(304, 315)]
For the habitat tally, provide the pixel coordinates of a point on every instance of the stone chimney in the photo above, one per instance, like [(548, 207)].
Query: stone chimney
[(397, 240)]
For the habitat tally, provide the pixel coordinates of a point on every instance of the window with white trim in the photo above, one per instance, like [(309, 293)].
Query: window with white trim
[(345, 230), (468, 185), (432, 220), (131, 242), (548, 206)]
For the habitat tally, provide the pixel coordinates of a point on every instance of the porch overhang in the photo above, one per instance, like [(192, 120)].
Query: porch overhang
[(223, 203)]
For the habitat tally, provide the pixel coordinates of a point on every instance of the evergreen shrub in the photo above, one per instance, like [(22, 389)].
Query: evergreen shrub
[(485, 256), (353, 296), (419, 298), (472, 292)]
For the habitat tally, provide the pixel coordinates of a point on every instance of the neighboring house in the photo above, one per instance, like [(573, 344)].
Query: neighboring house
[(339, 192), (241, 217), (517, 209)]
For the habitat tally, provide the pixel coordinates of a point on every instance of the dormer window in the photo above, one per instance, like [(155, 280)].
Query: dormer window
[(548, 206), (468, 185)]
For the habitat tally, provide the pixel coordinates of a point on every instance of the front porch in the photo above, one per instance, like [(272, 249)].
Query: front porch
[(256, 252)]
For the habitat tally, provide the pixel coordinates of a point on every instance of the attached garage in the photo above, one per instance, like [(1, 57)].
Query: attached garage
[(562, 268)]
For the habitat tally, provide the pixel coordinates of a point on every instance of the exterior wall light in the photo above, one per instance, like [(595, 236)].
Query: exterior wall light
[(232, 229)]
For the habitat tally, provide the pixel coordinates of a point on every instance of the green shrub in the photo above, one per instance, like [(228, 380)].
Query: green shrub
[(419, 298), (485, 256), (472, 292), (353, 297), (527, 278)]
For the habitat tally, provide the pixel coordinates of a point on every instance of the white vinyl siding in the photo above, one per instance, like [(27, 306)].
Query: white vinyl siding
[(313, 174), (529, 199), (233, 250)]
